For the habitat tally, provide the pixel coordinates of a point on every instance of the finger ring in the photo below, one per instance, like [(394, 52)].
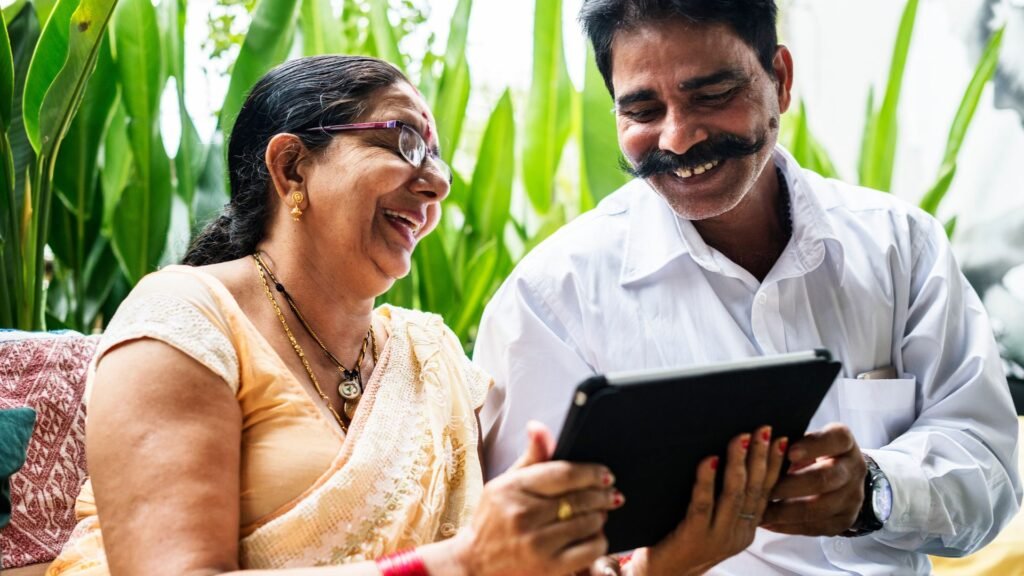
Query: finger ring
[(564, 510), (746, 516)]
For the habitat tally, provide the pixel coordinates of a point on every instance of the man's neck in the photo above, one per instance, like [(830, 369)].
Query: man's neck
[(756, 231)]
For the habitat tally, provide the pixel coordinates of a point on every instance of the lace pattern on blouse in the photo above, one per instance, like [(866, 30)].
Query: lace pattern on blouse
[(176, 322)]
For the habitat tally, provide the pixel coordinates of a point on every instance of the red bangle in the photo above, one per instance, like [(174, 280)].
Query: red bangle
[(402, 563)]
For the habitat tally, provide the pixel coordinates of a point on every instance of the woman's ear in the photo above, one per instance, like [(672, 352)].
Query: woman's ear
[(286, 158)]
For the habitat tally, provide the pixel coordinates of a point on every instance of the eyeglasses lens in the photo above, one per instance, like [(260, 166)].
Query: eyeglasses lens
[(414, 149)]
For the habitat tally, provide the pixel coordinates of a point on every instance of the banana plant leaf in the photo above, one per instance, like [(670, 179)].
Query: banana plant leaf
[(490, 192), (881, 132), (548, 111), (961, 122), (142, 216), (266, 45), (321, 29), (599, 144), (384, 34)]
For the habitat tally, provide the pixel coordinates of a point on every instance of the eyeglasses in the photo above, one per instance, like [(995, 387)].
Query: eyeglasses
[(410, 144)]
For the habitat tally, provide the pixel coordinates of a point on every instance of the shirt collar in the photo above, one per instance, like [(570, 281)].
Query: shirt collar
[(657, 236)]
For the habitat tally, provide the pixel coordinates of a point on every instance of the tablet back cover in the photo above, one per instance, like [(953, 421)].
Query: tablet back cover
[(652, 435)]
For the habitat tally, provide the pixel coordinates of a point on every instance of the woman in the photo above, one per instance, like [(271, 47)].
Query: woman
[(252, 410)]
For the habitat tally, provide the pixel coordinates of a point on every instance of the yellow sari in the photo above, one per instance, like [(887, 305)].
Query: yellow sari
[(408, 472)]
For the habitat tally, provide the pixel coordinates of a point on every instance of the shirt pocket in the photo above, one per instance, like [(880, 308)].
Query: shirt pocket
[(877, 411)]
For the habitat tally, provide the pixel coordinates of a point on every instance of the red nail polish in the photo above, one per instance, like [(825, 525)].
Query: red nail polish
[(607, 478), (745, 443), (617, 499), (714, 463), (783, 444), (766, 435)]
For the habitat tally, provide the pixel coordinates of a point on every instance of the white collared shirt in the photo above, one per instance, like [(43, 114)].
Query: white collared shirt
[(630, 285)]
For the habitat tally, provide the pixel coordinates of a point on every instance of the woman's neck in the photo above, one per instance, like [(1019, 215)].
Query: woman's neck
[(328, 300)]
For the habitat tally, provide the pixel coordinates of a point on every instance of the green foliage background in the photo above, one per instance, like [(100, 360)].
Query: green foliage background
[(83, 168)]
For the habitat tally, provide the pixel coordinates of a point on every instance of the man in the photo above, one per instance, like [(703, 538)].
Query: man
[(724, 248)]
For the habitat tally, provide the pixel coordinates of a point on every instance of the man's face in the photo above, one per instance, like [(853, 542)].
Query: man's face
[(697, 114)]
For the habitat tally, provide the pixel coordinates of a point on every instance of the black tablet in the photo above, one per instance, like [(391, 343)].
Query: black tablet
[(652, 428)]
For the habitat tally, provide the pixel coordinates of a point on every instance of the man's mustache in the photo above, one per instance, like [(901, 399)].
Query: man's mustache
[(719, 147)]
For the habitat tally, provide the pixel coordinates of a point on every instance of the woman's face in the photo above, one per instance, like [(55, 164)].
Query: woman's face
[(367, 206)]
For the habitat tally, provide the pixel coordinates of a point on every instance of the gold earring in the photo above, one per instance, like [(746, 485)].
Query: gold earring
[(297, 198)]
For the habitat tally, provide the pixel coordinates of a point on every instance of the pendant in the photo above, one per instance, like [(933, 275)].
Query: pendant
[(350, 388)]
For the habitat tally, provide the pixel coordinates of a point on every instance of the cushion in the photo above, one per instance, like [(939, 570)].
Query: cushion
[(16, 427), (45, 372)]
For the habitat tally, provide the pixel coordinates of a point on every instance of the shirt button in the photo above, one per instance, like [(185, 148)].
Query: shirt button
[(839, 545), (762, 298)]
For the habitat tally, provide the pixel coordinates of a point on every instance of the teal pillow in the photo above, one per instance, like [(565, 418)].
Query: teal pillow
[(16, 427)]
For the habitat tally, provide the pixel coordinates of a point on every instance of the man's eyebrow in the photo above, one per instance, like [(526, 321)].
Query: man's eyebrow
[(727, 75), (634, 97)]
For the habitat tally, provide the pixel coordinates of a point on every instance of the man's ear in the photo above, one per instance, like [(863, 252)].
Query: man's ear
[(286, 158), (782, 65)]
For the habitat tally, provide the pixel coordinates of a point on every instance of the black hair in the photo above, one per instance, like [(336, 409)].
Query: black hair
[(752, 20), (295, 97)]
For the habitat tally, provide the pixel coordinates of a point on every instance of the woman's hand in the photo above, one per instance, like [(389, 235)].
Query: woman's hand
[(713, 531), (540, 517)]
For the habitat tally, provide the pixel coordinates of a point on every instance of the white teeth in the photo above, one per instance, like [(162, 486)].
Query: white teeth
[(688, 172), (412, 225)]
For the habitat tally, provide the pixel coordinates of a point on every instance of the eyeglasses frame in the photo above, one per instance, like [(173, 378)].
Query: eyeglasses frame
[(387, 125)]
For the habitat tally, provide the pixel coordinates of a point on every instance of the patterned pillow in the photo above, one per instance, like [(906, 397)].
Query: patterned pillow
[(46, 372)]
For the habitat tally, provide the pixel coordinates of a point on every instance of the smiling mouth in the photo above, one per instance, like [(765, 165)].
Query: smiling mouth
[(403, 220), (684, 173)]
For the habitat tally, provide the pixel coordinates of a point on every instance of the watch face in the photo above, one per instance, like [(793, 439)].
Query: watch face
[(881, 499)]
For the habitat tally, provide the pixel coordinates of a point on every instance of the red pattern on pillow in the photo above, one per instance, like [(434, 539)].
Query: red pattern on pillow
[(45, 371)]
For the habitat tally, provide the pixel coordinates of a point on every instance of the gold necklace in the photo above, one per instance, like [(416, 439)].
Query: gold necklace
[(260, 268), (350, 386)]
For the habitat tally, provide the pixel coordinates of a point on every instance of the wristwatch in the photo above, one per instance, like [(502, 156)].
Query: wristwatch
[(877, 504)]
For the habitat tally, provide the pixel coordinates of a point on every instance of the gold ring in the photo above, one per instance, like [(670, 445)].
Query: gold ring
[(748, 517), (564, 510)]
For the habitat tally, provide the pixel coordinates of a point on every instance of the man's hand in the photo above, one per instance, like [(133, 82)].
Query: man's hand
[(824, 490)]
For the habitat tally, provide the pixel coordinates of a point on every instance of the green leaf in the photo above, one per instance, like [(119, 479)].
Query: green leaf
[(189, 161), (321, 30), (44, 9), (6, 77), (75, 180), (950, 227), (881, 148), (450, 110), (961, 122), (805, 147), (384, 34), (60, 68), (458, 31), (935, 194), (24, 34), (491, 188), (548, 109), (142, 216), (118, 162), (438, 291), (266, 45), (13, 10), (599, 142), (478, 288)]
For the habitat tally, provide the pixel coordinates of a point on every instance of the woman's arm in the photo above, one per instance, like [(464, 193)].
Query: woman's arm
[(163, 438)]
